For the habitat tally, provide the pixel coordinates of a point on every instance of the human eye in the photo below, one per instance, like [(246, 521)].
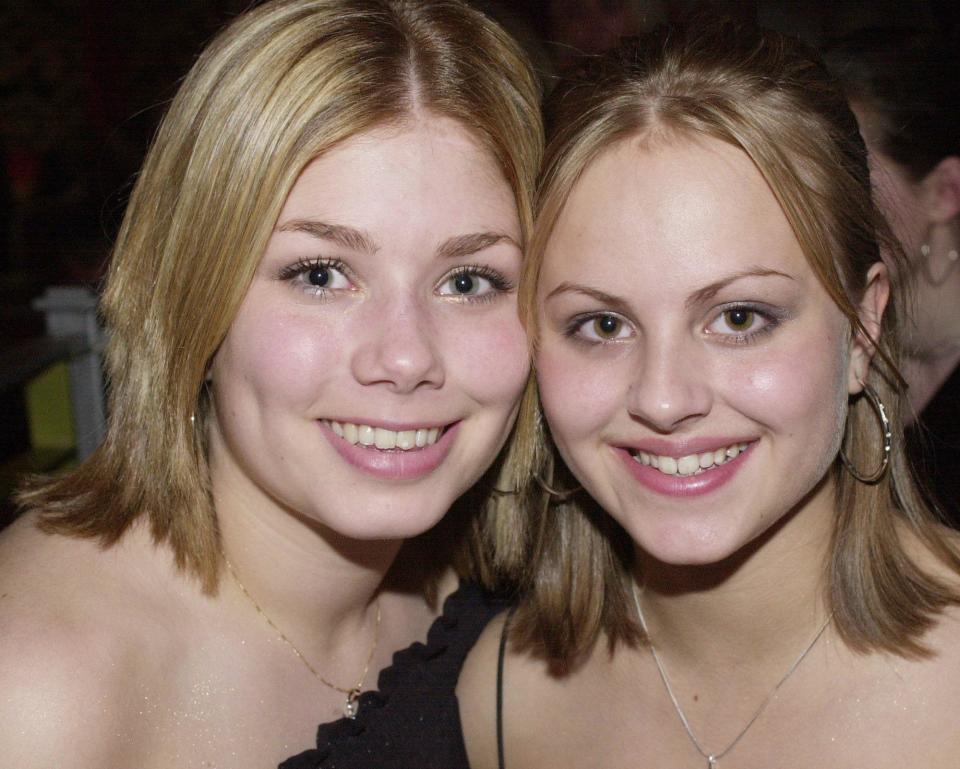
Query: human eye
[(317, 276), (743, 323), (600, 327), (473, 283)]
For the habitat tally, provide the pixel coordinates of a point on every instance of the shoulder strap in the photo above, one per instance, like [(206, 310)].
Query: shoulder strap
[(504, 632)]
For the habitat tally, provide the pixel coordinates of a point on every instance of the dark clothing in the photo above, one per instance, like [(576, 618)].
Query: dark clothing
[(934, 448), (412, 721)]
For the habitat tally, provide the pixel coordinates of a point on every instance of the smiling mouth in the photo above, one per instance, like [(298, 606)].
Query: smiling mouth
[(384, 439), (691, 464)]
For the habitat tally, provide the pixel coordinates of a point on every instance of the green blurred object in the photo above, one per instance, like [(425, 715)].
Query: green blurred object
[(48, 410), (52, 436)]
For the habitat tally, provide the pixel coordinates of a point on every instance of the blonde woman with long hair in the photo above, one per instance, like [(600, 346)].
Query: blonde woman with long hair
[(740, 572), (314, 352)]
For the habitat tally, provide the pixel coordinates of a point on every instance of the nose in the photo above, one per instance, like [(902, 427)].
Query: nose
[(398, 348), (671, 387)]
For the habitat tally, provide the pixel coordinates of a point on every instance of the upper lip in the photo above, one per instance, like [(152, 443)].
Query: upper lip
[(683, 448), (388, 424)]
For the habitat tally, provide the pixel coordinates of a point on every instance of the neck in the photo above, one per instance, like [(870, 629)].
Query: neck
[(764, 601), (315, 585), (927, 373)]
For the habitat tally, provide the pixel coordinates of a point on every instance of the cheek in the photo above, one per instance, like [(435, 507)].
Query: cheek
[(277, 356), (579, 396), (488, 357), (794, 390)]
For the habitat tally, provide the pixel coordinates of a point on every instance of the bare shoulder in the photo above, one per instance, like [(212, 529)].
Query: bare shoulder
[(477, 696), (65, 667), (525, 687), (53, 695)]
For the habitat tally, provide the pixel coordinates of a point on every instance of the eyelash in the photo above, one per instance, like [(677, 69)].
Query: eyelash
[(304, 266), (498, 282), (770, 317), (575, 324)]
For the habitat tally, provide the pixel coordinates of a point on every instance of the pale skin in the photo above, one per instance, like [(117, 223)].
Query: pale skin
[(652, 238), (114, 657)]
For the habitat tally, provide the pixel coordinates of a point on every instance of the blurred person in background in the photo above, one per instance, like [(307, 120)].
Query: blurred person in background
[(904, 87)]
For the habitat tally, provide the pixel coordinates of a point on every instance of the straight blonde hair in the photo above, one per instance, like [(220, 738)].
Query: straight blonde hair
[(280, 86), (770, 97)]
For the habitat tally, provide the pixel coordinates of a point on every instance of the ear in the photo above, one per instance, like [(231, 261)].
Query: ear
[(874, 302), (941, 191)]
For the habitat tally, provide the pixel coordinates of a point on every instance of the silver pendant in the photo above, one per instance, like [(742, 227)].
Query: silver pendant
[(711, 762), (352, 706)]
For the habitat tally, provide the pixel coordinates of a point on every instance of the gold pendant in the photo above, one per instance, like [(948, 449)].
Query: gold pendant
[(352, 706)]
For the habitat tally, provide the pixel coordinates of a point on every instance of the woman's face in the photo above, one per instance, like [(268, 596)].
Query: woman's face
[(694, 372), (373, 370)]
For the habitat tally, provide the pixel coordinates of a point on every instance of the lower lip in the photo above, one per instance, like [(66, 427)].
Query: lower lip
[(685, 485), (394, 464)]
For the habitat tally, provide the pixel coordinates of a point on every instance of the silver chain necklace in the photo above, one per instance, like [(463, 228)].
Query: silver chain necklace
[(713, 758)]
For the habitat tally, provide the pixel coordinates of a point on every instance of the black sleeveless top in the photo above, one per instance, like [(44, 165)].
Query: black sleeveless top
[(935, 447), (412, 720)]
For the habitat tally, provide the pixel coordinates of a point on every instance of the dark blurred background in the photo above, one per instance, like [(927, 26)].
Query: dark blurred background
[(83, 85)]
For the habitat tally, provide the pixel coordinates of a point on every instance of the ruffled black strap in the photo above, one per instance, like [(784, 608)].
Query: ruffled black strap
[(412, 720)]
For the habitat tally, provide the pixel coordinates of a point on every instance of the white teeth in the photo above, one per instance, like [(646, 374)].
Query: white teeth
[(691, 464), (668, 465), (349, 432), (384, 439), (406, 439)]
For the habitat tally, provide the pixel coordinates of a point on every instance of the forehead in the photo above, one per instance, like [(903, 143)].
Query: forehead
[(427, 170), (674, 208)]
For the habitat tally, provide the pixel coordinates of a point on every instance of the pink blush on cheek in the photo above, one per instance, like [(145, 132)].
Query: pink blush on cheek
[(577, 398), (492, 357), (797, 390), (286, 353)]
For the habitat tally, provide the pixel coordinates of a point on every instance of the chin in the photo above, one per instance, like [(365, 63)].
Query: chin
[(383, 522), (685, 546)]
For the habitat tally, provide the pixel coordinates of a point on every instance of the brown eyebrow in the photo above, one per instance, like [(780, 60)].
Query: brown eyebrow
[(711, 290), (602, 297), (358, 240), (701, 295), (464, 245), (347, 237)]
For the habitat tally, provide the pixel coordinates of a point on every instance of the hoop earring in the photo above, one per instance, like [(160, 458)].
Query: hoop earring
[(887, 440)]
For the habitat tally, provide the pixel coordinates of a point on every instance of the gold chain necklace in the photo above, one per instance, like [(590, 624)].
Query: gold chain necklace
[(713, 758), (352, 705)]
